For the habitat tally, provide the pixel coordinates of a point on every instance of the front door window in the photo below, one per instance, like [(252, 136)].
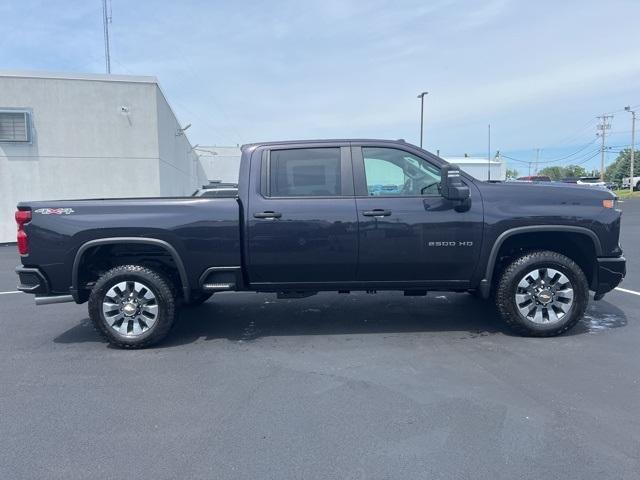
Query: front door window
[(392, 172)]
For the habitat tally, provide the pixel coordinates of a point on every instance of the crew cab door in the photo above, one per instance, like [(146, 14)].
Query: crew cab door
[(302, 224), (407, 231)]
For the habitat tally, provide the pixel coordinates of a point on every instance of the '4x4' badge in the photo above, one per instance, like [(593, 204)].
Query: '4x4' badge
[(54, 211)]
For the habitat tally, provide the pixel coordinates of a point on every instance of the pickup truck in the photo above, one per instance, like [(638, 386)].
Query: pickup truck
[(328, 215)]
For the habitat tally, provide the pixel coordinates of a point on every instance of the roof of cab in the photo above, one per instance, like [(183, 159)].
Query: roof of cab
[(330, 140)]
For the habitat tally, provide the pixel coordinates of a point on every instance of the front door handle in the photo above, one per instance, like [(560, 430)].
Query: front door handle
[(376, 212), (268, 214)]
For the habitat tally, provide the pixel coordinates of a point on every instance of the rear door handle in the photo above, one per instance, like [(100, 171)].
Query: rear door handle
[(268, 214), (376, 212)]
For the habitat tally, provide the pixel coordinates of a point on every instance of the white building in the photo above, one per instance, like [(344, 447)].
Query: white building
[(220, 163), (479, 167), (88, 136)]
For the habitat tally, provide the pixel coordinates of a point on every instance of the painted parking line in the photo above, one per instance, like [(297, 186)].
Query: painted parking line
[(8, 293), (632, 292)]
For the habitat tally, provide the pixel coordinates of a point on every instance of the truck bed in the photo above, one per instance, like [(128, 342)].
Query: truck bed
[(204, 231)]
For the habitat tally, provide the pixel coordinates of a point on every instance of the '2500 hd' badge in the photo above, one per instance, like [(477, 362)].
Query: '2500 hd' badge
[(450, 244), (54, 211)]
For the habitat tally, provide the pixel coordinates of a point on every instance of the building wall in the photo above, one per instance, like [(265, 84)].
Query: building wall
[(86, 145), (478, 168), (220, 163), (180, 170)]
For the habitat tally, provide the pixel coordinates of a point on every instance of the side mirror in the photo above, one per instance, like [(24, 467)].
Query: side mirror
[(451, 185)]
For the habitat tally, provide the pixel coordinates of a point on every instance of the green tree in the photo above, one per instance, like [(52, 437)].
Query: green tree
[(554, 173), (557, 172), (575, 171), (512, 173), (622, 165)]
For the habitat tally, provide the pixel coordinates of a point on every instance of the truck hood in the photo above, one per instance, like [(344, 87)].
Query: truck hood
[(546, 192)]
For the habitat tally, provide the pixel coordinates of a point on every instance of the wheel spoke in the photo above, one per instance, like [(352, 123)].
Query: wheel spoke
[(116, 319), (535, 275), (124, 326), (110, 309), (537, 315), (524, 283), (150, 311), (137, 327), (565, 295)]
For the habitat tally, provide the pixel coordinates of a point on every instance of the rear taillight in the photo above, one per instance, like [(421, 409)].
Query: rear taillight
[(23, 217)]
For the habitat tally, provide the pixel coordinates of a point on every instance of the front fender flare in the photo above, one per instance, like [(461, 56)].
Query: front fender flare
[(485, 283)]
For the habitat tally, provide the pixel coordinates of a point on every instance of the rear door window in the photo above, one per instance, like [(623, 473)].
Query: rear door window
[(305, 172)]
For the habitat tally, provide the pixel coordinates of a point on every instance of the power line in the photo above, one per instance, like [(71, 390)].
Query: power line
[(559, 159)]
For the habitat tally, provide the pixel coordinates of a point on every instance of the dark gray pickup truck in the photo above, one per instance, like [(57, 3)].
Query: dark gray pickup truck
[(330, 215)]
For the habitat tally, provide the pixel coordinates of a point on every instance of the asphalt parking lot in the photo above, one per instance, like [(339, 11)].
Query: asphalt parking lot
[(333, 386)]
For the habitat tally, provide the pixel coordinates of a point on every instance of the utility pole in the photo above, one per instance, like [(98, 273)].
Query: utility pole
[(633, 143), (106, 20), (603, 126), (421, 97), (489, 153), (537, 160)]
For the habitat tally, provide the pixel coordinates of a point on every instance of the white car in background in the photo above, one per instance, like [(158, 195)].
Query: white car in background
[(592, 182), (628, 181)]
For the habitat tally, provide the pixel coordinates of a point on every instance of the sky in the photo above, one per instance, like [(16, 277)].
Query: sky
[(241, 71)]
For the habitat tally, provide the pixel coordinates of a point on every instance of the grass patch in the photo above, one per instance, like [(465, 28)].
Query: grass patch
[(626, 193)]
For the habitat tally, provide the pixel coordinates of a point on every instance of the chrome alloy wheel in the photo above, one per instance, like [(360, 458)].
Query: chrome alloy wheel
[(130, 308), (544, 295)]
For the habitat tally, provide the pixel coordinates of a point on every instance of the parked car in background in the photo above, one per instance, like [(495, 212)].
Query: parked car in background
[(628, 181), (591, 182)]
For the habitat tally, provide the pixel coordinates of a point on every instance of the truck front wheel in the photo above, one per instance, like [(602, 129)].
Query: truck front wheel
[(542, 294), (132, 306)]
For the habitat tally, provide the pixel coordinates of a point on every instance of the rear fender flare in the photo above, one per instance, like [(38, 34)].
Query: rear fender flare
[(186, 289)]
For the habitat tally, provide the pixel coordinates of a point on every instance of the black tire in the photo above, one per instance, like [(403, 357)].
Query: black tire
[(160, 287), (514, 273), (198, 298)]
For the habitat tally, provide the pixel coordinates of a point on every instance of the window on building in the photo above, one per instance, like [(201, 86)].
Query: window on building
[(395, 172), (14, 126), (305, 172)]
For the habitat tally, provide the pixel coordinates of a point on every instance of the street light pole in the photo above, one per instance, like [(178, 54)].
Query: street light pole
[(421, 97), (633, 143), (106, 20)]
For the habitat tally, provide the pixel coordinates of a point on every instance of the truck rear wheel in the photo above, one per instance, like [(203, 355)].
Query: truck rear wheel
[(542, 294), (132, 306)]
